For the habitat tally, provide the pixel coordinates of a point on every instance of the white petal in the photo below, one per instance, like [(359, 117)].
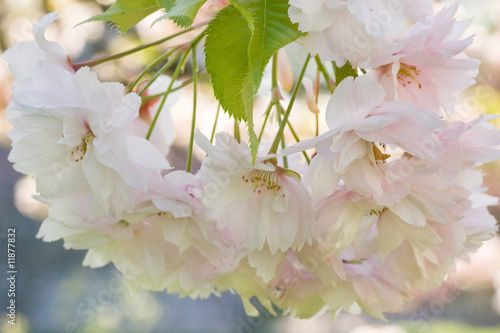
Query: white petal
[(143, 153), (410, 213), (352, 100)]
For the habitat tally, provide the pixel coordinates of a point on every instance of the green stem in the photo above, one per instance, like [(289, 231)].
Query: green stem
[(274, 93), (268, 111), (285, 159), (295, 135), (182, 85), (275, 100), (150, 67), (215, 123), (279, 135), (165, 95), (323, 71), (189, 162), (236, 131), (274, 77), (98, 61), (162, 70), (198, 38)]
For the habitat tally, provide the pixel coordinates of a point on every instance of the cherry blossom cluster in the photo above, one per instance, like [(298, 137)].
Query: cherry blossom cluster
[(391, 198)]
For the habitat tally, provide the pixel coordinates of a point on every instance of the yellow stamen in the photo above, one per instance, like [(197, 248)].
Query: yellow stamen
[(407, 74), (378, 153), (79, 151), (261, 179)]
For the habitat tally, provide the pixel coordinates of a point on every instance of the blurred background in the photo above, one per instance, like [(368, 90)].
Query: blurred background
[(56, 294)]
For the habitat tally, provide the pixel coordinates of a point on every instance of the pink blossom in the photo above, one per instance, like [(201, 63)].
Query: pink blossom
[(265, 208), (428, 66), (362, 127), (68, 134), (355, 30)]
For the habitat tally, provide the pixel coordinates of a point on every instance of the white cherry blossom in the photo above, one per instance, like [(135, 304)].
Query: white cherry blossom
[(67, 133), (22, 57), (354, 30), (264, 207), (362, 126), (428, 66)]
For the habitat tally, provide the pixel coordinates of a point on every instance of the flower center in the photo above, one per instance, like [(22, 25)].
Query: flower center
[(378, 154), (407, 74), (377, 212), (261, 179), (79, 151)]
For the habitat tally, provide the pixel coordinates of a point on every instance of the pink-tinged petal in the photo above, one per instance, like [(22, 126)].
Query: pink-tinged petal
[(50, 86), (375, 122), (418, 10), (409, 212), (311, 17), (324, 178), (22, 57), (55, 53), (282, 233), (337, 223), (175, 207), (265, 262), (25, 56), (352, 100), (100, 177), (78, 121), (258, 222), (364, 178), (428, 67), (143, 153), (353, 31), (480, 141), (393, 231), (393, 191), (350, 148), (261, 205), (323, 139)]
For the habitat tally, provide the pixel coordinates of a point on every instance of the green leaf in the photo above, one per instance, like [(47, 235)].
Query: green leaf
[(182, 12), (226, 60), (247, 96), (343, 72), (126, 13), (241, 40), (271, 30)]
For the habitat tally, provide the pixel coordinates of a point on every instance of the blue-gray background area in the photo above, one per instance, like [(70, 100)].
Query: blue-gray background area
[(55, 293)]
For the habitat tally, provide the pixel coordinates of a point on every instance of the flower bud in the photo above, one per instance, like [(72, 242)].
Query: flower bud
[(285, 72), (310, 96)]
